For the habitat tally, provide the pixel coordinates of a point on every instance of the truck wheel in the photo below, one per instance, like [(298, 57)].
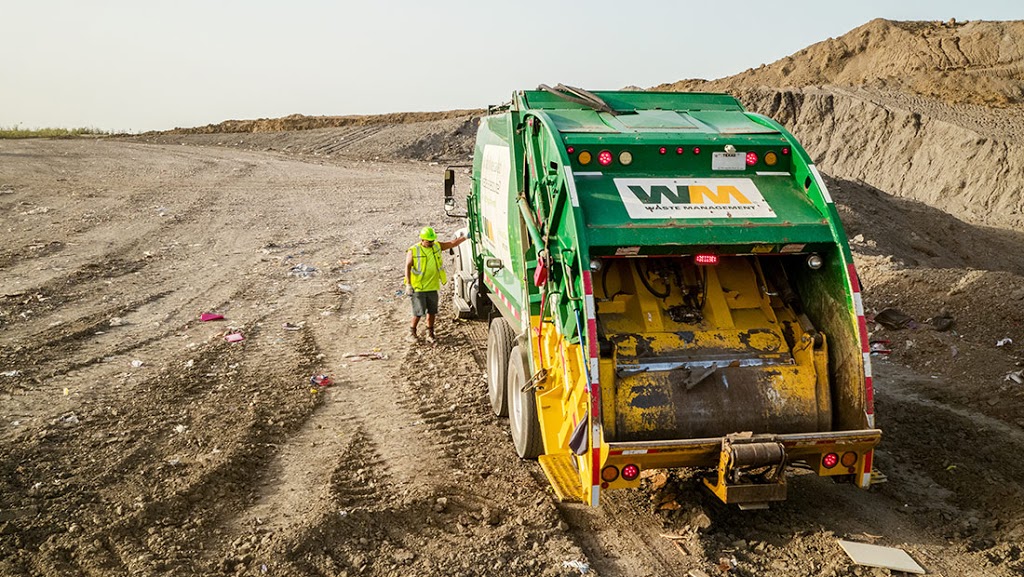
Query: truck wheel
[(500, 339), (522, 410)]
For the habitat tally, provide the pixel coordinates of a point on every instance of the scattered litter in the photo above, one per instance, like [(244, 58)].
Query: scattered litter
[(234, 338), (190, 363), (137, 363), (726, 564), (11, 373), (942, 322), (302, 271), (39, 210), (6, 189), (954, 351), (180, 429), (1017, 377), (116, 322), (1004, 342), (373, 356), (293, 327), (70, 419), (881, 347), (344, 288), (66, 391), (210, 317), (580, 566), (895, 319), (320, 381), (878, 556)]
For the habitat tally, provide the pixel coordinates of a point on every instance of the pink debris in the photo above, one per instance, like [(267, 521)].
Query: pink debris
[(234, 338), (210, 317)]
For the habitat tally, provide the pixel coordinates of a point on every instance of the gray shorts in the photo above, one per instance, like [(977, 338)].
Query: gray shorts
[(424, 303)]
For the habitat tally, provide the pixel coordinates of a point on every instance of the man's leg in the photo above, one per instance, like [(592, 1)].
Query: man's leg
[(431, 306), (417, 312)]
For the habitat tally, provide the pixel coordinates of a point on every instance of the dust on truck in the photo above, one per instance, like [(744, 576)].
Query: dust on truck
[(669, 285)]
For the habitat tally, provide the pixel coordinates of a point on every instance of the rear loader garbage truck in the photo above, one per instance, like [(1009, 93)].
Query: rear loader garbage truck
[(668, 285)]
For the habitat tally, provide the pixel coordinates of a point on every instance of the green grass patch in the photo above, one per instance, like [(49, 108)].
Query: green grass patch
[(16, 132)]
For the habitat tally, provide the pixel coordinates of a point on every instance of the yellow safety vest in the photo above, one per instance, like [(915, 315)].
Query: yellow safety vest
[(427, 272)]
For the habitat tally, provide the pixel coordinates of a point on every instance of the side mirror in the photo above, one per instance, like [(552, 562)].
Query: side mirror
[(494, 263), (449, 186)]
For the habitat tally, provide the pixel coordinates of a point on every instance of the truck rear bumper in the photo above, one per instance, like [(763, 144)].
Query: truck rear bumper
[(705, 452)]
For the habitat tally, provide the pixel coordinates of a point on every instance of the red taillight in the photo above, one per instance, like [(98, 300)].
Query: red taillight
[(679, 150), (751, 158), (706, 259), (696, 150), (662, 150), (785, 151), (630, 472), (604, 158), (570, 150), (830, 460)]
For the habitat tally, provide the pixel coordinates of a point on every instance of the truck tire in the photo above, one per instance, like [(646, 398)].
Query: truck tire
[(500, 340), (522, 410)]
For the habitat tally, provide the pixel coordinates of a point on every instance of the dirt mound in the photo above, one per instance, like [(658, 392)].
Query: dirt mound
[(445, 139), (972, 62), (928, 111), (302, 122)]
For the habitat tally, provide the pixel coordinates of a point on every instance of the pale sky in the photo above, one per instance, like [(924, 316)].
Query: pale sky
[(147, 65)]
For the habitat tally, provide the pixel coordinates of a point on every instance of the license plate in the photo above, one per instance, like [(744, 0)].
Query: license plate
[(729, 161)]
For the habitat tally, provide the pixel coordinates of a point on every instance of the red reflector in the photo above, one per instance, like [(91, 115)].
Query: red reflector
[(630, 472), (696, 150), (706, 259), (751, 158), (570, 150), (662, 150), (830, 460), (604, 158), (679, 150), (785, 151)]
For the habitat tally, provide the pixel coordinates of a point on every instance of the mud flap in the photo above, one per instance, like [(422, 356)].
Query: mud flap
[(751, 472)]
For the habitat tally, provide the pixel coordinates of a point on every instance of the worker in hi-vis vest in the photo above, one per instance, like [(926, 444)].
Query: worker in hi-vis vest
[(424, 275)]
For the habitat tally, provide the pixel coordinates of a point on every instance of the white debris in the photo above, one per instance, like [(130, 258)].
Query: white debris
[(580, 566), (180, 429), (1004, 342), (11, 373), (137, 363)]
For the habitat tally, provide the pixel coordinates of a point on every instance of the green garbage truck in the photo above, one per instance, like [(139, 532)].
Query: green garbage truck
[(667, 284)]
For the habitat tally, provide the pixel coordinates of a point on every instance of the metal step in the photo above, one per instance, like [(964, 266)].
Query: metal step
[(563, 477)]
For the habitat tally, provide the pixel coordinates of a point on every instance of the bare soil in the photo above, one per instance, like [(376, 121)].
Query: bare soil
[(134, 439)]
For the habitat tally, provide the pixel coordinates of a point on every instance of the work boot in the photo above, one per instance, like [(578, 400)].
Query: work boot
[(431, 338), (412, 337)]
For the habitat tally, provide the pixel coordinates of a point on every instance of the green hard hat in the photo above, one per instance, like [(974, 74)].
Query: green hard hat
[(428, 234)]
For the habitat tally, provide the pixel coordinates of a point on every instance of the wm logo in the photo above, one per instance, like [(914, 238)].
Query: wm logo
[(692, 194)]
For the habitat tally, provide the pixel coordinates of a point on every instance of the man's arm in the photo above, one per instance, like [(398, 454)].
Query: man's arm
[(452, 243), (408, 267)]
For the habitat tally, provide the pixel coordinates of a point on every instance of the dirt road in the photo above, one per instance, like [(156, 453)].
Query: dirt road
[(134, 439)]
